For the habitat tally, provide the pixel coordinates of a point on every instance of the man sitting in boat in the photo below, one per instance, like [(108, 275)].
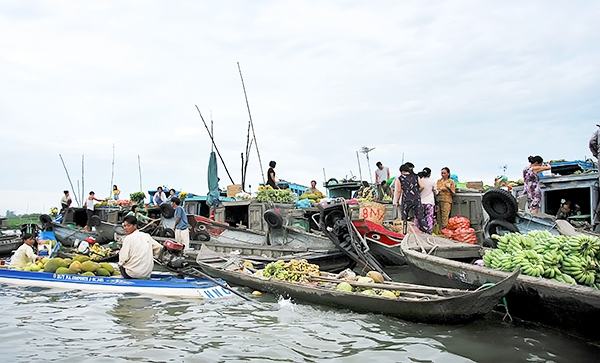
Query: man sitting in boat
[(136, 257), (24, 255)]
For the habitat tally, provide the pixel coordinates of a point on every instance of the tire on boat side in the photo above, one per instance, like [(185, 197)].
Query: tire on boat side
[(273, 219), (497, 226), (500, 204)]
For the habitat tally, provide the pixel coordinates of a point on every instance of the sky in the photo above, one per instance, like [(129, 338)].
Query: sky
[(472, 85)]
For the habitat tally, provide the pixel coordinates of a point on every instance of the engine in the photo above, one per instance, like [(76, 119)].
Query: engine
[(172, 255)]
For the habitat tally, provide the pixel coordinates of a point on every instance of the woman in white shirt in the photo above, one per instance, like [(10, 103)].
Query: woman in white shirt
[(427, 187), (24, 255)]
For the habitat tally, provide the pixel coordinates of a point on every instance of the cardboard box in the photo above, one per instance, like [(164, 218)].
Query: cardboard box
[(477, 185), (233, 189)]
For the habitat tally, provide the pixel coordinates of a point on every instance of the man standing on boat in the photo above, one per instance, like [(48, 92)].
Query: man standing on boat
[(136, 257), (594, 145), (89, 209), (382, 173), (182, 232)]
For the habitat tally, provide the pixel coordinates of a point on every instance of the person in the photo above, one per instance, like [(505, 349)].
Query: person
[(172, 194), (89, 209), (159, 197), (136, 256), (115, 192), (138, 215), (382, 173), (383, 190), (564, 211), (271, 181), (24, 255), (407, 188), (313, 188), (427, 187), (65, 202), (446, 189), (594, 143), (182, 233), (532, 182)]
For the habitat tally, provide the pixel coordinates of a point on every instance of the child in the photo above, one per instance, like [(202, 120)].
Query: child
[(565, 210), (24, 255)]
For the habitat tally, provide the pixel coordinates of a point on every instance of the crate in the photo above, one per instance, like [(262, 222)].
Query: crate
[(477, 185), (233, 189)]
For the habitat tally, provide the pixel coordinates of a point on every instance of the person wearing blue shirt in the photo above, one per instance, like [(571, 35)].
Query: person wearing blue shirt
[(182, 233)]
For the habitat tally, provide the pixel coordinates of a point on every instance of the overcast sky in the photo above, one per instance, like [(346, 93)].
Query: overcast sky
[(473, 85)]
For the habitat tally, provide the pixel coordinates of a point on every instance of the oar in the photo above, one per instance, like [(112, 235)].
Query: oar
[(201, 273)]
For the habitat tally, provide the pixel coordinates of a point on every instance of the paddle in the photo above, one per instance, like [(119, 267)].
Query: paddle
[(206, 276)]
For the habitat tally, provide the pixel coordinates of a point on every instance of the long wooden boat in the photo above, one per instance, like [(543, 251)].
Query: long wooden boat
[(456, 308), (572, 307), (158, 284), (9, 243)]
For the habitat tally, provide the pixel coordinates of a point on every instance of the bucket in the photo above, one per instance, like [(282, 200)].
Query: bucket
[(372, 211)]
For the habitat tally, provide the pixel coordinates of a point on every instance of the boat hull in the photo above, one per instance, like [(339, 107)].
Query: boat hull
[(571, 307), (456, 309), (158, 284)]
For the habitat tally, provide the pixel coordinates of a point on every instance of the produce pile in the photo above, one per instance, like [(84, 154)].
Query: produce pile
[(367, 194), (79, 265), (268, 194), (312, 197), (566, 259), (459, 229), (98, 252), (370, 278), (137, 197), (292, 271)]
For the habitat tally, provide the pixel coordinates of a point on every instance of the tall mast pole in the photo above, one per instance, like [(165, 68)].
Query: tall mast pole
[(69, 178)]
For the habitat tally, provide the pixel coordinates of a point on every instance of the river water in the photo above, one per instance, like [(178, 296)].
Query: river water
[(74, 326)]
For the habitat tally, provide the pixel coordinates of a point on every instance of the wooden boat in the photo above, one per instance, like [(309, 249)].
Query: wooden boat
[(575, 308), (158, 284), (447, 306), (67, 236), (9, 243)]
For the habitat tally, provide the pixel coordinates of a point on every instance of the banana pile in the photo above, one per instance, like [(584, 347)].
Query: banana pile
[(292, 271), (268, 194), (570, 260), (98, 252)]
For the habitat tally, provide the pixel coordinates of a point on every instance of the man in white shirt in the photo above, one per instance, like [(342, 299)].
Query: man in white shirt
[(89, 208), (136, 257), (24, 255), (381, 173)]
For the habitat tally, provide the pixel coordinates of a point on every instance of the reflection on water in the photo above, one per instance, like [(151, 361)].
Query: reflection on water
[(117, 327)]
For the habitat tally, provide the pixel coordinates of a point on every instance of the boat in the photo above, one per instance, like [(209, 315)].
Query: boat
[(9, 243), (438, 306), (158, 284), (574, 308), (69, 235)]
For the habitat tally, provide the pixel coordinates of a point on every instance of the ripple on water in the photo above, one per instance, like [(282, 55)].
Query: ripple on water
[(117, 327)]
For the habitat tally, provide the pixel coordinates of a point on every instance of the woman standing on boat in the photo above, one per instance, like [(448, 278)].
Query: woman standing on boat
[(407, 186), (116, 192), (427, 187), (446, 189), (271, 181), (532, 182)]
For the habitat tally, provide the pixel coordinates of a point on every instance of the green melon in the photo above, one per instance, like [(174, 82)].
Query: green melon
[(102, 272), (63, 271), (89, 266)]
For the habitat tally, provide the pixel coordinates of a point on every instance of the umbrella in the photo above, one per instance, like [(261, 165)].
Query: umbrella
[(213, 181)]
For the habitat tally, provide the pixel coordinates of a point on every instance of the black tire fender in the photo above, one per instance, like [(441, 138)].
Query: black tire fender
[(494, 226), (166, 210), (169, 233), (45, 219), (273, 218), (500, 204)]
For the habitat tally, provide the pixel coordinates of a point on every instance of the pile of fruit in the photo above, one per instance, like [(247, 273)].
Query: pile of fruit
[(367, 194), (459, 229), (137, 197), (312, 197), (268, 194), (370, 278), (571, 260), (98, 252), (79, 264), (292, 271)]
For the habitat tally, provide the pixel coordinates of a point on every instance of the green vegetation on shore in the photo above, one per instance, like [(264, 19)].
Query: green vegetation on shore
[(15, 221)]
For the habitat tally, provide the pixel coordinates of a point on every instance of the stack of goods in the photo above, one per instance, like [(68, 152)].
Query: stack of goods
[(312, 197), (367, 194), (268, 194), (292, 271), (569, 260), (79, 265), (372, 277), (459, 229), (137, 197), (98, 252)]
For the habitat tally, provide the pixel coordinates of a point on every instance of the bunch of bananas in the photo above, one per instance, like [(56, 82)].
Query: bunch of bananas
[(552, 260), (98, 252), (514, 242), (499, 260), (584, 245), (583, 269), (565, 279), (530, 262), (293, 271)]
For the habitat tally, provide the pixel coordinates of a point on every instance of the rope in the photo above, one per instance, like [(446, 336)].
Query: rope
[(503, 303)]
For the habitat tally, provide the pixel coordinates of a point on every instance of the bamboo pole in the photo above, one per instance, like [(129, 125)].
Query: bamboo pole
[(69, 178)]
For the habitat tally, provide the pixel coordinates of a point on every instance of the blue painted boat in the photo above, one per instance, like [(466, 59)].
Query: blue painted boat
[(158, 284)]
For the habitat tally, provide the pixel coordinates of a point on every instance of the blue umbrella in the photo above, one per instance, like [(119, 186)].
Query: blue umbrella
[(213, 182)]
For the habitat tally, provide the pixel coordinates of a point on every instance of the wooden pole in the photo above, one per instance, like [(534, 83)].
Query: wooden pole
[(112, 171), (262, 172), (359, 169), (82, 180), (215, 146), (69, 178), (140, 172)]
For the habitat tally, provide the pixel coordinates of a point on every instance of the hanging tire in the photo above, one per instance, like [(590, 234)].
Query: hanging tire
[(490, 243), (499, 226), (202, 236), (94, 221), (500, 204), (273, 219), (166, 210)]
